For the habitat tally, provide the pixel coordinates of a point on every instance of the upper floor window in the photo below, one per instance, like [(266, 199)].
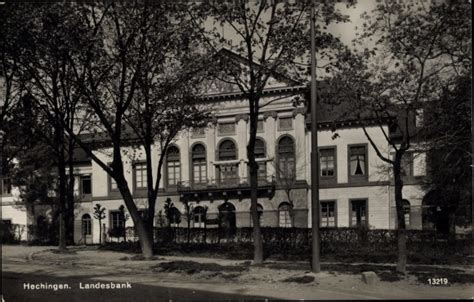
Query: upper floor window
[(86, 185), (140, 173), (327, 161), (285, 123), (286, 158), (6, 186), (227, 172), (328, 214), (358, 162), (260, 126), (226, 128), (261, 153), (199, 168), (173, 166), (227, 150)]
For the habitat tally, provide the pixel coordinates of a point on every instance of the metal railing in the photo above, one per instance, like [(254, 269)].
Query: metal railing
[(225, 183)]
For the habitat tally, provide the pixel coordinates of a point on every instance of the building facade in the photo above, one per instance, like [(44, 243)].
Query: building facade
[(207, 169)]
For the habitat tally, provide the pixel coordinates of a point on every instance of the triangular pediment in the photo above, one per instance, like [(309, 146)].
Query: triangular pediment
[(221, 86)]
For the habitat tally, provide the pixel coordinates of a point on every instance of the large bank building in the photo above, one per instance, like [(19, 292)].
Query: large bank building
[(207, 168)]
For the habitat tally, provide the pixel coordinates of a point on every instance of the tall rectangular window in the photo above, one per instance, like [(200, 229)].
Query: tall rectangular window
[(328, 214), (358, 213), (117, 220), (173, 166), (358, 162), (140, 175), (174, 173), (327, 161), (86, 185), (6, 188)]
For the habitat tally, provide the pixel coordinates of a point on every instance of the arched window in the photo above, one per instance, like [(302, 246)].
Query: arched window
[(173, 166), (227, 150), (227, 217), (260, 152), (199, 217), (259, 212), (286, 158), (199, 164), (284, 215), (228, 172), (406, 212), (86, 224), (175, 217)]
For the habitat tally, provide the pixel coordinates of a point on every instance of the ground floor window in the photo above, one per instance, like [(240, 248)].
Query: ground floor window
[(284, 215), (86, 224), (199, 217), (117, 220), (328, 214), (358, 213)]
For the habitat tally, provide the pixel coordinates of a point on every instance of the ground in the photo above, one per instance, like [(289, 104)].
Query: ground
[(198, 278)]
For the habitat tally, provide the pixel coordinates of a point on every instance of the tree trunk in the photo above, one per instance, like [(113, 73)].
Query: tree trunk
[(401, 233), (257, 232), (146, 243), (62, 244)]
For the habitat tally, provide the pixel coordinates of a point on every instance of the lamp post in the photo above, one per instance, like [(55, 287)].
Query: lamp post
[(315, 261)]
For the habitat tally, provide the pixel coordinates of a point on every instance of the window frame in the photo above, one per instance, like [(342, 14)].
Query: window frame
[(111, 219), (81, 178), (358, 178), (175, 168), (329, 201), (88, 223), (279, 157), (286, 225), (332, 178), (366, 200), (219, 172), (135, 176), (192, 170)]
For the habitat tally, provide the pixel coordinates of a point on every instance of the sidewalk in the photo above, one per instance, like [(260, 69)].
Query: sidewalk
[(236, 276)]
